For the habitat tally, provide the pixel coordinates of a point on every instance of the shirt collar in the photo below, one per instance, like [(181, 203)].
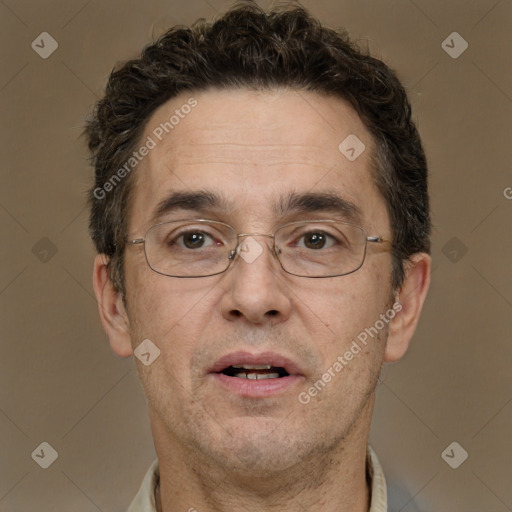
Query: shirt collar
[(145, 499), (379, 501)]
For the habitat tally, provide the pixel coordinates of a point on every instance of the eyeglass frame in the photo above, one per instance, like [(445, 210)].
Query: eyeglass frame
[(233, 252)]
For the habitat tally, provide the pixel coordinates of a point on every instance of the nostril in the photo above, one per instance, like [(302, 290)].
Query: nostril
[(272, 312)]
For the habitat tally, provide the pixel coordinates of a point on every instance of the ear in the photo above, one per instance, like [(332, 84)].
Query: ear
[(111, 308), (409, 303)]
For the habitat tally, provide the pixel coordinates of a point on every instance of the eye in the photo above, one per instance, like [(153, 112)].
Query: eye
[(193, 240), (316, 240)]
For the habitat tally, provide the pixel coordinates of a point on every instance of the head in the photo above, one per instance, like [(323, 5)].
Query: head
[(240, 121)]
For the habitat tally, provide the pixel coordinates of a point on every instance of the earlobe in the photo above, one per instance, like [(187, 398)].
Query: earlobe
[(411, 299), (111, 308)]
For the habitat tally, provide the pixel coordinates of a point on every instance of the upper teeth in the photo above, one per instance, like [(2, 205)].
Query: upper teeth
[(257, 376), (253, 366)]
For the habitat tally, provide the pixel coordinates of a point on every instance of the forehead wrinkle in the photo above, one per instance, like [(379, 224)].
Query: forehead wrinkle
[(239, 162), (245, 144), (227, 152)]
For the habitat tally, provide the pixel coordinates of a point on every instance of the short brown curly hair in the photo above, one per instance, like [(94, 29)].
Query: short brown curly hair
[(250, 48)]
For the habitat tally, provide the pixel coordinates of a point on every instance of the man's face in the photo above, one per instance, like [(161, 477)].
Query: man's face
[(254, 150)]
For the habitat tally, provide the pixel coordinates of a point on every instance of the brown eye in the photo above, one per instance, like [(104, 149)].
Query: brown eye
[(193, 240), (315, 240)]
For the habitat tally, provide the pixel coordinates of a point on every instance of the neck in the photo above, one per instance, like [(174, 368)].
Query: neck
[(334, 479)]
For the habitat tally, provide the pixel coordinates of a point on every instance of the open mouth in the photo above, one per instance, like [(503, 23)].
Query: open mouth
[(256, 375), (255, 372)]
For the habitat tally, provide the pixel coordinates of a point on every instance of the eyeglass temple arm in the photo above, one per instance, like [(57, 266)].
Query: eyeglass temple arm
[(377, 240)]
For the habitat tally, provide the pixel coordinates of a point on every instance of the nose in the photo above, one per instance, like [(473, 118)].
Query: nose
[(255, 291)]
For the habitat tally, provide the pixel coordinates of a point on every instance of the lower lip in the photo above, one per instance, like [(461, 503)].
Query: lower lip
[(257, 388)]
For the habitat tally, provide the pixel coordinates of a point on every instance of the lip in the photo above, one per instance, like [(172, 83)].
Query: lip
[(257, 388), (243, 357)]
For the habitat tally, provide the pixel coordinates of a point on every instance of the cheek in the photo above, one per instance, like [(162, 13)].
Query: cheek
[(351, 307), (161, 317), (153, 312), (157, 302), (172, 313)]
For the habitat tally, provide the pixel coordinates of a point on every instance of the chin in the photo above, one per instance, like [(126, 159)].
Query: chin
[(258, 446)]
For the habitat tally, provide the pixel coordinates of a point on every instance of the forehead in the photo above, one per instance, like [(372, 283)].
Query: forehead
[(255, 150)]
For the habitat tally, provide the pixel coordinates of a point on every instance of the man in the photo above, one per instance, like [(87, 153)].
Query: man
[(261, 215)]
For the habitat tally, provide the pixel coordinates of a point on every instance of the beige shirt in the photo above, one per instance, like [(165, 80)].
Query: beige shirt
[(145, 499)]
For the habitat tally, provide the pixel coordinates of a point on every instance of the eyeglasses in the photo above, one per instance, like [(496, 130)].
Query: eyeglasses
[(202, 248)]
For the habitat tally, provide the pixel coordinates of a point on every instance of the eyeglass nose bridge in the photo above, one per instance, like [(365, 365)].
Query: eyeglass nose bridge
[(232, 254)]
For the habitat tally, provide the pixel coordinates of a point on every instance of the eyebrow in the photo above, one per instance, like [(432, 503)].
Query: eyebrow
[(198, 201), (207, 202), (312, 202)]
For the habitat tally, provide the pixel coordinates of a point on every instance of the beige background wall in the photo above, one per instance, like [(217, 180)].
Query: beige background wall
[(59, 381)]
